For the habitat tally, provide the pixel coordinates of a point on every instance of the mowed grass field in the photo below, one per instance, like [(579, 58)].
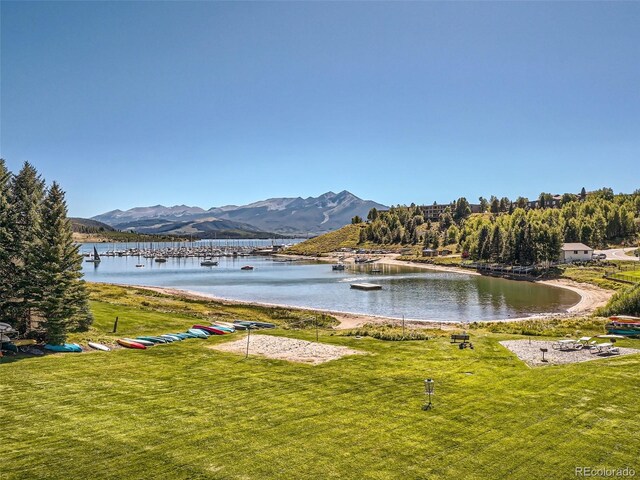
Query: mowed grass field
[(186, 411)]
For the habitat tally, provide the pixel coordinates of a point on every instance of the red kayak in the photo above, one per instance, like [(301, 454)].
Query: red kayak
[(214, 330), (129, 344)]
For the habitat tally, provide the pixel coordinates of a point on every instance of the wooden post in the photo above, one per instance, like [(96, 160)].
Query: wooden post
[(316, 318), (248, 337), (402, 326), (115, 326)]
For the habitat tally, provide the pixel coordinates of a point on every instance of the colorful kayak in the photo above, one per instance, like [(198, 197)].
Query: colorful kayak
[(67, 347), (223, 327), (212, 330), (198, 333), (224, 324), (146, 343), (182, 336), (244, 323), (99, 346), (190, 335), (264, 324), (131, 344), (152, 339), (171, 337), (625, 318)]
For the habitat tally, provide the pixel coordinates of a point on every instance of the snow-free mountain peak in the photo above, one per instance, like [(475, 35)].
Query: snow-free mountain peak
[(286, 215)]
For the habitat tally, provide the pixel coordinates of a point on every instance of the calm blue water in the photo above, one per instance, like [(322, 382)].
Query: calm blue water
[(414, 293)]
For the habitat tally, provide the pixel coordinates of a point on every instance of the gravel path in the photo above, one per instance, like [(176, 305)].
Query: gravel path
[(529, 352), (291, 349)]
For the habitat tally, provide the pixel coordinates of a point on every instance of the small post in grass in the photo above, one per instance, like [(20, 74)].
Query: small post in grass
[(403, 326), (248, 337), (544, 350), (316, 319), (428, 390), (115, 326)]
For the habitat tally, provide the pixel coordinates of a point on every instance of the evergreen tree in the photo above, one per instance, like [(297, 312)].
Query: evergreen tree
[(462, 209), (494, 205), (363, 235), (61, 296), (7, 248), (497, 244), (484, 243), (26, 193)]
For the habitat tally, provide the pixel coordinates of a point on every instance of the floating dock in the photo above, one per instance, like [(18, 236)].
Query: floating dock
[(366, 286)]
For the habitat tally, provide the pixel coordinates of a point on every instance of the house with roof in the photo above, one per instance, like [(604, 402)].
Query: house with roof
[(575, 252)]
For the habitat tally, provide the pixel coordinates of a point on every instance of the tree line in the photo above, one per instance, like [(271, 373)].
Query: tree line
[(512, 232), (41, 286)]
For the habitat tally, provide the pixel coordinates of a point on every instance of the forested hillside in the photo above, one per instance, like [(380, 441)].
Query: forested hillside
[(513, 232)]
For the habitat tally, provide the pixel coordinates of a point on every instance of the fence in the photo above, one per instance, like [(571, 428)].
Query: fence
[(623, 277)]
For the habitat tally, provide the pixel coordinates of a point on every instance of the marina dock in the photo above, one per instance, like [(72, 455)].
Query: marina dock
[(366, 286)]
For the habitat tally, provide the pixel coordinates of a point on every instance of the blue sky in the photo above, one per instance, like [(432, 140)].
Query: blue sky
[(131, 104)]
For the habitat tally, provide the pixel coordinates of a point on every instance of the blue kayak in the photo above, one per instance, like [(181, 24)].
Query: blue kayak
[(198, 333), (223, 327), (152, 339), (67, 347), (171, 337), (182, 336)]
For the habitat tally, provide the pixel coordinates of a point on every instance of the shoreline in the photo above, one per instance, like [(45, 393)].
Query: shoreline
[(591, 297)]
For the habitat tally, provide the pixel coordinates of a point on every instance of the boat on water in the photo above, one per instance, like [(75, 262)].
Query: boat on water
[(366, 286), (246, 267), (208, 263), (160, 260), (338, 266), (95, 259), (140, 265)]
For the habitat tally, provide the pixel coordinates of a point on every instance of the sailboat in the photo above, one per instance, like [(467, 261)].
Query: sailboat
[(96, 257)]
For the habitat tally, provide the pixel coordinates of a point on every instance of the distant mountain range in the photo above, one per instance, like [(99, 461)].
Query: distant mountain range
[(282, 216)]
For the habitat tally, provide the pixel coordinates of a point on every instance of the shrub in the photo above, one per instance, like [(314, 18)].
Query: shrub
[(625, 302)]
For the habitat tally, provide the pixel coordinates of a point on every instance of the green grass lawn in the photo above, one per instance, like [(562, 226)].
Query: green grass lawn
[(185, 411)]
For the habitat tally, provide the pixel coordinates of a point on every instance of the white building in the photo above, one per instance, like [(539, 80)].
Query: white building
[(575, 252)]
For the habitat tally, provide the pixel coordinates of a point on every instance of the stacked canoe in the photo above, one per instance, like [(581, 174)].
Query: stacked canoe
[(624, 325)]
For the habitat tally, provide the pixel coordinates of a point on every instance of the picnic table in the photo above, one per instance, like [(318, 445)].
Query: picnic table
[(564, 344), (607, 347)]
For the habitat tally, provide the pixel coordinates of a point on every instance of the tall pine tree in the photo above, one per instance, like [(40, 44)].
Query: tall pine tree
[(26, 193), (61, 295), (7, 249)]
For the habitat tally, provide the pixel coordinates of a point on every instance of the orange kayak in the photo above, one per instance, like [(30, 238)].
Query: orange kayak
[(129, 344)]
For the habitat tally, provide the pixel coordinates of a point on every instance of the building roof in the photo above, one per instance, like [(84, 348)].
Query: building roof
[(575, 246)]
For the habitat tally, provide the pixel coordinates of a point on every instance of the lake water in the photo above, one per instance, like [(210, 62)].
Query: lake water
[(412, 292)]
